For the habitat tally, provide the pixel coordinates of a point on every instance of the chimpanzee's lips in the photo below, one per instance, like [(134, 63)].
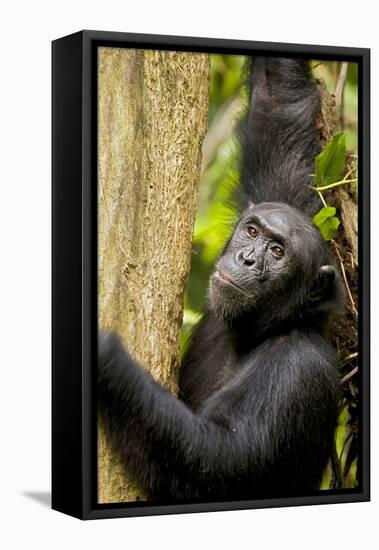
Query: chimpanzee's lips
[(226, 279), (223, 277)]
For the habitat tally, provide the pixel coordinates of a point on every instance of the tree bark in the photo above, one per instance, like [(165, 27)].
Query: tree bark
[(152, 117), (344, 329)]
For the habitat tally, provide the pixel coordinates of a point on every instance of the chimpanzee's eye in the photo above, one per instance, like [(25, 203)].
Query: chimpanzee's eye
[(277, 251), (252, 231)]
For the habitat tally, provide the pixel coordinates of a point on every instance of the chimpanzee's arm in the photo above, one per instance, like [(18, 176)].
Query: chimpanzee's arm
[(259, 433), (168, 448), (281, 135)]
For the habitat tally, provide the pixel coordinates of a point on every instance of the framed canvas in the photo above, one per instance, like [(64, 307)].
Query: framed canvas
[(210, 275)]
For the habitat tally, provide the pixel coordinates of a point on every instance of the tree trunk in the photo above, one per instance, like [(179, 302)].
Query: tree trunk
[(344, 329), (345, 246), (152, 117)]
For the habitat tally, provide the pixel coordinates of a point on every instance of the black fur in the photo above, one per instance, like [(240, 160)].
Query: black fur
[(280, 134), (258, 387)]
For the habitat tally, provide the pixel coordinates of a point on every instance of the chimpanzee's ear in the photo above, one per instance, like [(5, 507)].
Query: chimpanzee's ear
[(324, 282)]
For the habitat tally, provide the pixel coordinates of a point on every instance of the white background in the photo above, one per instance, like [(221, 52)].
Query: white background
[(26, 31)]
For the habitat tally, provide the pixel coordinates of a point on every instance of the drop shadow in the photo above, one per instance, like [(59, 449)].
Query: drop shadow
[(42, 497)]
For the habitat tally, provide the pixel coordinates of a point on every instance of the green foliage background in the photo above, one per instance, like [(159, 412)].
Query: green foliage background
[(215, 215)]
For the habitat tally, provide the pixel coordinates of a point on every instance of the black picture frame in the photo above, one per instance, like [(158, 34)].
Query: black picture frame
[(74, 333)]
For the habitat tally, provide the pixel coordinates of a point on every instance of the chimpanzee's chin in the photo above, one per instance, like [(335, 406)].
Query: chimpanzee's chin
[(227, 302)]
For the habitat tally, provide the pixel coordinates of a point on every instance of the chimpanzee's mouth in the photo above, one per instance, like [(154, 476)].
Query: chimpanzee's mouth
[(221, 276), (226, 279)]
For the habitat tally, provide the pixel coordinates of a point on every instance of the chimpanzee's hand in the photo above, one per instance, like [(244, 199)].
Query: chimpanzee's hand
[(114, 363)]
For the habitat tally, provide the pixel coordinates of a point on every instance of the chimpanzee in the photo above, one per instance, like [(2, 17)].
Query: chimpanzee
[(258, 387)]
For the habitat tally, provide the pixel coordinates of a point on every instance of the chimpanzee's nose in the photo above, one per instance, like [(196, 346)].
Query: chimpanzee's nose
[(245, 257)]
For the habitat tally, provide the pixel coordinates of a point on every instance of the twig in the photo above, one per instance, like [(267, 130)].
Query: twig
[(345, 278), (354, 263), (338, 91), (336, 481), (353, 169), (321, 197), (349, 358), (352, 389), (349, 375), (346, 442), (336, 184)]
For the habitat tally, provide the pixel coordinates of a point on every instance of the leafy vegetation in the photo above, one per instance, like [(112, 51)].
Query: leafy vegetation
[(331, 161), (330, 164), (327, 222)]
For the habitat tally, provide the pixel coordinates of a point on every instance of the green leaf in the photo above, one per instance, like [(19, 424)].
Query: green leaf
[(329, 228), (324, 214), (327, 222), (331, 161)]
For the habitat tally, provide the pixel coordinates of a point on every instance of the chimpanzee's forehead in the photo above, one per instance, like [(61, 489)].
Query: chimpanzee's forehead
[(280, 217)]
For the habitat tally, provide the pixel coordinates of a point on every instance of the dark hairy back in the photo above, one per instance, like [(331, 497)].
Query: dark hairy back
[(279, 399)]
